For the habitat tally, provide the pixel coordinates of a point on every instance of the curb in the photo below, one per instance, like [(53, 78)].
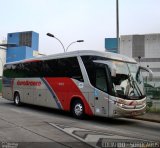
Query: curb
[(146, 119)]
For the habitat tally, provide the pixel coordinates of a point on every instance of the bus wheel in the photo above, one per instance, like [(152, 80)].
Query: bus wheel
[(17, 100), (78, 109)]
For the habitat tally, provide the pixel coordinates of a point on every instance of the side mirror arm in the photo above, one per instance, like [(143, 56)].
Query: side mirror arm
[(148, 70)]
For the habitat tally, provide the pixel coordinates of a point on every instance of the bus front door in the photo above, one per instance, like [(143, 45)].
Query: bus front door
[(100, 91)]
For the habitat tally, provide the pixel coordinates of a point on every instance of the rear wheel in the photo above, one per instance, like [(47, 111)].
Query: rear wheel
[(17, 100), (78, 109)]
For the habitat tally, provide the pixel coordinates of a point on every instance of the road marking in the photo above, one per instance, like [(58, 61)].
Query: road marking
[(98, 139)]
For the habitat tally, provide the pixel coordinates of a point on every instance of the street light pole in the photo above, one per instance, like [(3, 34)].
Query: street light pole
[(51, 35), (78, 41), (117, 24)]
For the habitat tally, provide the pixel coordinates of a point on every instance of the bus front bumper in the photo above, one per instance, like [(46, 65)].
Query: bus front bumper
[(122, 112)]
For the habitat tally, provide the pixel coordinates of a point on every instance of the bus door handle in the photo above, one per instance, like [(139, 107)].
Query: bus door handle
[(96, 98)]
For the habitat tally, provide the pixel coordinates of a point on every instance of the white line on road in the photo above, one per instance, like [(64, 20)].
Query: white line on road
[(94, 138)]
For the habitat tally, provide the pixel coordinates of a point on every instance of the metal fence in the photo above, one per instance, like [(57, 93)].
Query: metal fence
[(152, 88)]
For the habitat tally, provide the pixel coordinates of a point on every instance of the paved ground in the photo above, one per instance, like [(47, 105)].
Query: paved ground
[(31, 126), (153, 117)]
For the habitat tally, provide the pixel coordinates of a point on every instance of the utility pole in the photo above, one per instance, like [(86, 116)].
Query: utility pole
[(117, 24)]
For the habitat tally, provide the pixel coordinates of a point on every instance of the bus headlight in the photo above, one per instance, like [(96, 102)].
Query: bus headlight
[(120, 104)]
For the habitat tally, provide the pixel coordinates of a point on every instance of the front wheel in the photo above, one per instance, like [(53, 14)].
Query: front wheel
[(78, 109), (17, 100)]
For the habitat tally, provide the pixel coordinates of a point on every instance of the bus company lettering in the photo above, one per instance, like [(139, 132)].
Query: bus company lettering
[(28, 83)]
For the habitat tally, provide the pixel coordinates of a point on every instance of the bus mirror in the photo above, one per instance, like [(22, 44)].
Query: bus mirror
[(148, 70)]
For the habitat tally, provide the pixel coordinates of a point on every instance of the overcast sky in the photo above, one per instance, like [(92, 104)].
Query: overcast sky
[(70, 20)]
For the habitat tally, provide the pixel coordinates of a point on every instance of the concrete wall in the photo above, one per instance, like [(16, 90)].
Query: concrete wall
[(2, 60), (138, 46), (152, 46), (126, 45), (146, 46)]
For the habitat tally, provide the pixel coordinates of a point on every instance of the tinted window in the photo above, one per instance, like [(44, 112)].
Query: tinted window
[(20, 70), (65, 67), (89, 65), (96, 72)]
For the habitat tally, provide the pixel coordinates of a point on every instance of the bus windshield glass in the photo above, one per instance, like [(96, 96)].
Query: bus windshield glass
[(128, 83)]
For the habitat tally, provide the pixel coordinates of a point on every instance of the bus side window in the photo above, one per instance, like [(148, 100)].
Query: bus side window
[(64, 67)]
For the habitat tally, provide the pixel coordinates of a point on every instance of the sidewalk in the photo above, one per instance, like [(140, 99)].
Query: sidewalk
[(153, 117)]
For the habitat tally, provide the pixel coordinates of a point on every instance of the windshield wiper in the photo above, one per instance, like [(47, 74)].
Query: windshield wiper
[(135, 85)]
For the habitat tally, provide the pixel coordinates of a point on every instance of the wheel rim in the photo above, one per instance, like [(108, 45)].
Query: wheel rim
[(78, 109), (17, 99)]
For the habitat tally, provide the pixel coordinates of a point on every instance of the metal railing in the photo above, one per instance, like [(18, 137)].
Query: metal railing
[(152, 89)]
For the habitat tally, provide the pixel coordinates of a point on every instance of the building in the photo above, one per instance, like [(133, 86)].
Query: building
[(22, 45), (144, 48), (2, 56), (111, 45), (133, 46)]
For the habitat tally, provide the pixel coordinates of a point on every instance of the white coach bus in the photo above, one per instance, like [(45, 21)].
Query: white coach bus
[(83, 82)]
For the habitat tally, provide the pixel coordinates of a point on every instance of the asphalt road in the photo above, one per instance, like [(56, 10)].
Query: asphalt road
[(32, 126)]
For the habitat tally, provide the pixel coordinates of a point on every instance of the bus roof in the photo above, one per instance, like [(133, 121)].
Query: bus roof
[(109, 55)]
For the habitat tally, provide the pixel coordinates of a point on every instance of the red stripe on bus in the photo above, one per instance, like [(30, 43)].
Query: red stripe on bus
[(66, 89)]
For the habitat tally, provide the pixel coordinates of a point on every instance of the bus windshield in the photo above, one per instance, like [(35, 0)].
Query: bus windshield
[(128, 83)]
